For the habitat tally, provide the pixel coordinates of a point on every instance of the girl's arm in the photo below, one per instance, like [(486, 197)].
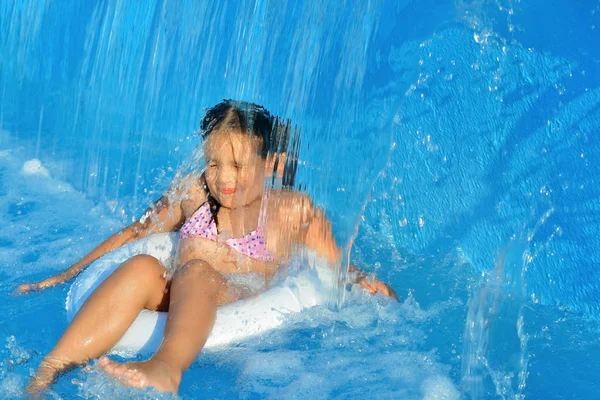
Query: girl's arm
[(164, 215), (319, 237)]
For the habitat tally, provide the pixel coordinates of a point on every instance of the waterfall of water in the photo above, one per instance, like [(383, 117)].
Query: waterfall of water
[(495, 344)]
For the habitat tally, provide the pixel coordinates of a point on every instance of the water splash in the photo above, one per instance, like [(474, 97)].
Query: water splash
[(495, 356), (495, 343), (93, 383)]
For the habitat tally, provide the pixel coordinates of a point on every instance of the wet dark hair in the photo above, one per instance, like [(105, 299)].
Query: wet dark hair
[(248, 118), (256, 121)]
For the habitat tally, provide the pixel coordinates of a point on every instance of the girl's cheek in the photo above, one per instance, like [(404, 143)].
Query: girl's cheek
[(242, 177), (211, 174), (211, 179)]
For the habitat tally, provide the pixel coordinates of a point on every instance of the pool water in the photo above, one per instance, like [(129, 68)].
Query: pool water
[(452, 142)]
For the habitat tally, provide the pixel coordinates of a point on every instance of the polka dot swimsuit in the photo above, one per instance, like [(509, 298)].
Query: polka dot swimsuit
[(200, 225)]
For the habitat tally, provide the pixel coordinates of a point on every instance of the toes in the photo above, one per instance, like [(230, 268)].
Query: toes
[(120, 370), (130, 374), (134, 378), (112, 368), (107, 365), (125, 373)]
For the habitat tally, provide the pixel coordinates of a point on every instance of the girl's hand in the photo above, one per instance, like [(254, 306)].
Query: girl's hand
[(27, 288), (376, 286)]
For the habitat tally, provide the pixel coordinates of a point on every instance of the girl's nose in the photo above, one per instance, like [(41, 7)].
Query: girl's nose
[(227, 176)]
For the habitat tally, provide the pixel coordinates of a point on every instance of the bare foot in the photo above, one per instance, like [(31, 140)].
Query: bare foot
[(155, 373)]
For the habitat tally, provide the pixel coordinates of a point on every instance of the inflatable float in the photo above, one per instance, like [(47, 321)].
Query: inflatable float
[(235, 322)]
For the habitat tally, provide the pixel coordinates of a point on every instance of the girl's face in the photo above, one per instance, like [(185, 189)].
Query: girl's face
[(235, 170)]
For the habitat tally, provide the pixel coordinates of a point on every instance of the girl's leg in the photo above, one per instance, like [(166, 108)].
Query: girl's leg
[(196, 291), (106, 315)]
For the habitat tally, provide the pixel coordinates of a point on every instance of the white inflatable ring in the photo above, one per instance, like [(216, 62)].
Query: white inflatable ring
[(234, 322)]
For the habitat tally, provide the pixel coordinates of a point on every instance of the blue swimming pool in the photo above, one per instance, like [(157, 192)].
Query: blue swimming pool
[(453, 142)]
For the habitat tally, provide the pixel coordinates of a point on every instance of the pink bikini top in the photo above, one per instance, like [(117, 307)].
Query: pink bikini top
[(203, 226)]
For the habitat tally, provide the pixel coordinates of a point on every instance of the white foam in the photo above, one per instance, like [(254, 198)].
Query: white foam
[(439, 387), (46, 228), (274, 364), (11, 386), (35, 167), (373, 347)]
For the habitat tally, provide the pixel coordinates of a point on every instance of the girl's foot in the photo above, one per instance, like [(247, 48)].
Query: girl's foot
[(155, 373)]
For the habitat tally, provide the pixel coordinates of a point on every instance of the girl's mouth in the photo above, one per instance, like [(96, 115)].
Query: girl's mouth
[(228, 191)]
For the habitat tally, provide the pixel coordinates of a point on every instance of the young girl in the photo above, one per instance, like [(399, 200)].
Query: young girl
[(227, 226)]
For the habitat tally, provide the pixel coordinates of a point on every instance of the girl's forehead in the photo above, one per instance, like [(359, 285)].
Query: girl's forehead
[(234, 144)]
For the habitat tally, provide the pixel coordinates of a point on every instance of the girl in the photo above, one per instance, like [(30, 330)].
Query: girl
[(227, 226)]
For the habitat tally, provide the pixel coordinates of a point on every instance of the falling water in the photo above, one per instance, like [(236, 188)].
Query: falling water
[(495, 345)]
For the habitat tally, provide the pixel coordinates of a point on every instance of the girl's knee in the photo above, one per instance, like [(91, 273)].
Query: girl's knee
[(143, 266), (150, 276)]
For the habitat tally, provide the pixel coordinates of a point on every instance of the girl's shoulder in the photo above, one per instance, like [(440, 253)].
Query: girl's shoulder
[(290, 205)]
